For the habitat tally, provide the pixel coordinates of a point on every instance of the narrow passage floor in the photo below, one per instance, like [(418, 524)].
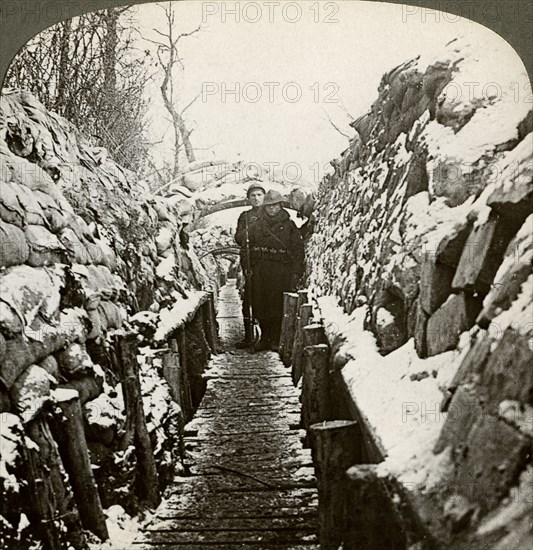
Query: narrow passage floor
[(252, 483)]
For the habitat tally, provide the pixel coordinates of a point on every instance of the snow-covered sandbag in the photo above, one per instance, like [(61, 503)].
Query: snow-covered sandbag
[(164, 239), (196, 180), (74, 361), (183, 207), (109, 258), (176, 189), (104, 418), (31, 291), (45, 247), (14, 249), (163, 213), (30, 392), (98, 278)]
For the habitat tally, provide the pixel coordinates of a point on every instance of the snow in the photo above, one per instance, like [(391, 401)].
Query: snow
[(403, 414), (10, 439), (166, 267), (181, 311), (122, 529)]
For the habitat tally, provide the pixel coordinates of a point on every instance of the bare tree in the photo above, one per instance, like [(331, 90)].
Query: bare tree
[(169, 59)]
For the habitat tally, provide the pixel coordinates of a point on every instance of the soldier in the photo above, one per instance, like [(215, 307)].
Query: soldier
[(277, 253), (255, 195)]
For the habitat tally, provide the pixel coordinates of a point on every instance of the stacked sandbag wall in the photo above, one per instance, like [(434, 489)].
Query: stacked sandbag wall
[(427, 221), (85, 246)]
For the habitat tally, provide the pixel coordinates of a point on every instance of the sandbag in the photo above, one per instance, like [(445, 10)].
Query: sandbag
[(49, 364), (45, 247), (164, 240), (30, 392), (196, 180), (76, 250), (95, 323), (14, 249), (74, 361), (55, 217), (10, 209), (88, 387), (30, 205), (177, 188), (31, 291), (96, 255), (110, 315), (109, 258), (11, 323)]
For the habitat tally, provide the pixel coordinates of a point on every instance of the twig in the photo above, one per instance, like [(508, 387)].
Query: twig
[(238, 472)]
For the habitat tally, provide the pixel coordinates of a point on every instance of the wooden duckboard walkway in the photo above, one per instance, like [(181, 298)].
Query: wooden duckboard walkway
[(252, 484)]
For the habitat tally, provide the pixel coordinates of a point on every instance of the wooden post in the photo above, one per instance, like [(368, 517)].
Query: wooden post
[(289, 326), (171, 370), (315, 386), (70, 436), (306, 312), (186, 396), (136, 429), (302, 298), (336, 446), (51, 502), (314, 334), (210, 323), (372, 521)]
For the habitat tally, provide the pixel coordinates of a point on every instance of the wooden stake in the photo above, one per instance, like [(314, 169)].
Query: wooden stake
[(304, 317), (51, 502), (171, 373), (210, 323), (135, 427), (186, 396), (372, 521), (336, 446), (289, 327), (315, 385), (70, 436)]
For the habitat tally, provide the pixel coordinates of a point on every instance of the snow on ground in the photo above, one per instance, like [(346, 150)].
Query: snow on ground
[(398, 395), (122, 529)]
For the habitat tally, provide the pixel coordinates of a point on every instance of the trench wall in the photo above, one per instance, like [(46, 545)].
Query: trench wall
[(421, 255), (89, 259)]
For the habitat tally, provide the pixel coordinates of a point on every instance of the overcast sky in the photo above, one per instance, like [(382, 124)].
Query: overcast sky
[(292, 65)]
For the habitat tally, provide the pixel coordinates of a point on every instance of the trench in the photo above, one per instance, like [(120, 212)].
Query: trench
[(250, 481)]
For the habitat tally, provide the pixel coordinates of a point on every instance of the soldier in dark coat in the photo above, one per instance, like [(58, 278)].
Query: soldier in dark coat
[(277, 252), (255, 195)]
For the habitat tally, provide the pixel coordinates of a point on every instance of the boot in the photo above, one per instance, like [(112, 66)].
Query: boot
[(247, 342), (262, 345)]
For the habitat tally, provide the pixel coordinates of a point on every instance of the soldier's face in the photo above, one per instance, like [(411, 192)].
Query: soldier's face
[(256, 197), (273, 209)]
